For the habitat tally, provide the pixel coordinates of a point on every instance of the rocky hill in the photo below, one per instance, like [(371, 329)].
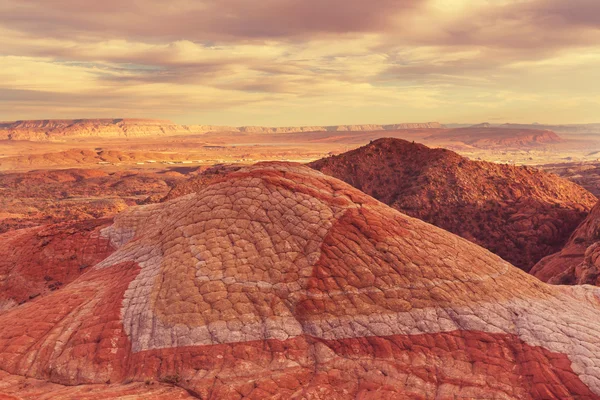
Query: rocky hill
[(276, 281), (519, 213), (578, 262)]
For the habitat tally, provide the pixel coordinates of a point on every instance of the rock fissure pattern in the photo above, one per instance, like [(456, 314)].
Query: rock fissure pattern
[(39, 260), (276, 281)]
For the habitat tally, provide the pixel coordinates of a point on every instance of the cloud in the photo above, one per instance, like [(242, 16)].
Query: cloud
[(202, 20), (300, 61), (582, 13)]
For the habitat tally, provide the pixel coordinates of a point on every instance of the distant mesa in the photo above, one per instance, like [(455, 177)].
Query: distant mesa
[(486, 137), (341, 128), (519, 213), (279, 282), (561, 129), (482, 125), (558, 128), (43, 130), (483, 136)]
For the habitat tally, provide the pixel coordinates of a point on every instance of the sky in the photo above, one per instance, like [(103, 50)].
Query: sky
[(302, 62)]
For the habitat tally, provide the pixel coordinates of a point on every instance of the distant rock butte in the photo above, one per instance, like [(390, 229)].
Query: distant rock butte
[(519, 213), (486, 137), (482, 125), (578, 262), (277, 281), (340, 128), (41, 130), (568, 128)]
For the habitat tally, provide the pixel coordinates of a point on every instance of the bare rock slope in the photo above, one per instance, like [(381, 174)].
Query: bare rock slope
[(519, 213), (585, 174), (37, 261), (579, 261), (277, 281)]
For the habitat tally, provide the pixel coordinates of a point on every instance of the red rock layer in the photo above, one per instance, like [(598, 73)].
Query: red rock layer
[(519, 213), (36, 261), (73, 336), (471, 365)]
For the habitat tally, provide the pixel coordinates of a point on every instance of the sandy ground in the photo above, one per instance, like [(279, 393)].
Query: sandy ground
[(210, 149)]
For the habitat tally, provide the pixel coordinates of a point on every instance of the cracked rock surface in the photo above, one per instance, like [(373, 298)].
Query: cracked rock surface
[(276, 281), (40, 260)]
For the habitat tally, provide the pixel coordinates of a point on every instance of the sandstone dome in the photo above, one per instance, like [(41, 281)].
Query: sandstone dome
[(276, 281)]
